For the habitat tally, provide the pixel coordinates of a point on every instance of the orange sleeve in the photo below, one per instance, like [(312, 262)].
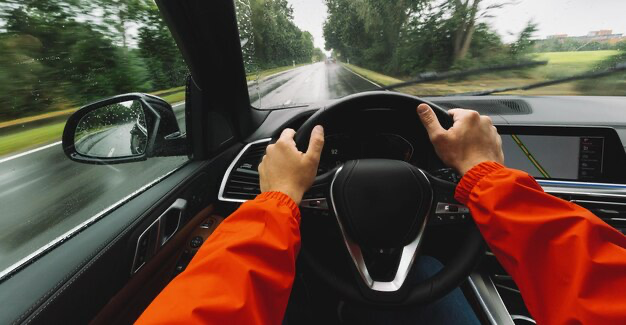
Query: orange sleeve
[(242, 274), (569, 265)]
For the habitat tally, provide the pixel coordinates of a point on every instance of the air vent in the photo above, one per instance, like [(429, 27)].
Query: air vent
[(241, 182), (611, 210), (490, 106)]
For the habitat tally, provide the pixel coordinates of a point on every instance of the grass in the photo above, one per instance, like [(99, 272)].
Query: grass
[(374, 76), (269, 72), (169, 91), (35, 137), (175, 98), (560, 64), (31, 138)]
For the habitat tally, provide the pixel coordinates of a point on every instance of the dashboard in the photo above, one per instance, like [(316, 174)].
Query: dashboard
[(589, 154), (556, 138)]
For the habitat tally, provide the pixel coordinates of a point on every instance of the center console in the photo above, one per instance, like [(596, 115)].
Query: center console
[(585, 154)]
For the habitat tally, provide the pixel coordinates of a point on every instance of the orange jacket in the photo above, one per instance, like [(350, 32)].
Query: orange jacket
[(569, 265)]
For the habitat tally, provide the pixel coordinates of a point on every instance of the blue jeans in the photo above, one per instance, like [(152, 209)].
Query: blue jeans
[(452, 309)]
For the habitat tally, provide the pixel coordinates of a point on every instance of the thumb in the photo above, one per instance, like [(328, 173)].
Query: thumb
[(316, 143), (429, 119)]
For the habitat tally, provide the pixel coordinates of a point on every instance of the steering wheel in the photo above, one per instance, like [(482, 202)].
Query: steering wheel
[(381, 203)]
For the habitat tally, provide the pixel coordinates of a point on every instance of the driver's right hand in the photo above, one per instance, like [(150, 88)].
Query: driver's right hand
[(471, 140)]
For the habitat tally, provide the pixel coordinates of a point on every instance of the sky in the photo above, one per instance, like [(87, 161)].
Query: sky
[(310, 15), (573, 17)]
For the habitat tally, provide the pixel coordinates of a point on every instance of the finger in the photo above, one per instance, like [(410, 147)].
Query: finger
[(316, 143), (486, 119), (287, 135), (429, 119), (458, 114), (260, 167)]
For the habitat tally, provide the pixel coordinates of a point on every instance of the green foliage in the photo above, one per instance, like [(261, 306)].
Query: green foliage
[(611, 85), (524, 42), (407, 37), (56, 54), (165, 65), (318, 55), (269, 36)]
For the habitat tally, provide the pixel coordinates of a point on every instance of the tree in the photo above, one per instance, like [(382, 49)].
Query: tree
[(405, 37), (72, 63), (524, 41), (465, 16), (165, 65), (318, 55), (269, 36), (117, 15)]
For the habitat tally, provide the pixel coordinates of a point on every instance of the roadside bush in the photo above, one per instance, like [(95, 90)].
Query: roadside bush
[(607, 86)]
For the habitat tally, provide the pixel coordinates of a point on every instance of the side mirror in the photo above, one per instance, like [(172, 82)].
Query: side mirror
[(121, 129)]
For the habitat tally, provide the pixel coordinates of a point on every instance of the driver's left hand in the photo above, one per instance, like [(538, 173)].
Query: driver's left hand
[(285, 169)]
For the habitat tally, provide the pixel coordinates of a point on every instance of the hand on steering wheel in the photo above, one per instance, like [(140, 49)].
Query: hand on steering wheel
[(287, 170), (379, 203), (472, 139)]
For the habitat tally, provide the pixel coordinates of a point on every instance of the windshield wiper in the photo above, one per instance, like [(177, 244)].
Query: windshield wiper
[(588, 75), (436, 76)]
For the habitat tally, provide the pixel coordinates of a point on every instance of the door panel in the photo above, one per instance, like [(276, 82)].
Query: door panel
[(126, 306), (74, 281)]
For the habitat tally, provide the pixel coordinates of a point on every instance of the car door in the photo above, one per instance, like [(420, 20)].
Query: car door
[(73, 236)]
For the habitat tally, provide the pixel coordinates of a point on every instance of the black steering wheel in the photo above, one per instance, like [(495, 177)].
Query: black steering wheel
[(381, 203)]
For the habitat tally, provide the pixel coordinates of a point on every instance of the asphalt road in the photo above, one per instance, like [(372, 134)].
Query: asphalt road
[(114, 142), (307, 84), (43, 194)]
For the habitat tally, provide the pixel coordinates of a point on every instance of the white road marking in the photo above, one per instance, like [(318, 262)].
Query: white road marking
[(111, 152), (52, 145), (360, 76), (30, 151)]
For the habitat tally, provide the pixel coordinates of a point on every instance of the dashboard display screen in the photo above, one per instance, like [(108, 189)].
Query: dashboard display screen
[(556, 157)]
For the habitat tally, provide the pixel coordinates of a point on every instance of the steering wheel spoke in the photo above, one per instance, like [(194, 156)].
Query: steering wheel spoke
[(446, 209), (317, 197)]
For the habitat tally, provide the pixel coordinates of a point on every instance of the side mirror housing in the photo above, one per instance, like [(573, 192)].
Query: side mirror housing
[(126, 128)]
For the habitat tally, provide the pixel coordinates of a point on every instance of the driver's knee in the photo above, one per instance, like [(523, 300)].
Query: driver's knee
[(426, 267)]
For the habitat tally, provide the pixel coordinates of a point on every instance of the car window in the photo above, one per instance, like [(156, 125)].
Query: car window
[(56, 56), (303, 51)]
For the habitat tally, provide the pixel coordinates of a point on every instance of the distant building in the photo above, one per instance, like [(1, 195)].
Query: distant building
[(601, 36), (602, 32), (557, 36)]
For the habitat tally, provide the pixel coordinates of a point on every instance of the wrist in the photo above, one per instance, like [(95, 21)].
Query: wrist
[(474, 175), (295, 195), (468, 164)]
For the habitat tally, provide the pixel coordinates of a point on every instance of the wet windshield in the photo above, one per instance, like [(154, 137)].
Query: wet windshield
[(304, 51)]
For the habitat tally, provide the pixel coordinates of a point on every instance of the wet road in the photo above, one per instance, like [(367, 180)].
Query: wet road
[(43, 194), (114, 142), (307, 84)]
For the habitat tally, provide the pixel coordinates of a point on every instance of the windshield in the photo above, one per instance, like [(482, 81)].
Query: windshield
[(298, 52)]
